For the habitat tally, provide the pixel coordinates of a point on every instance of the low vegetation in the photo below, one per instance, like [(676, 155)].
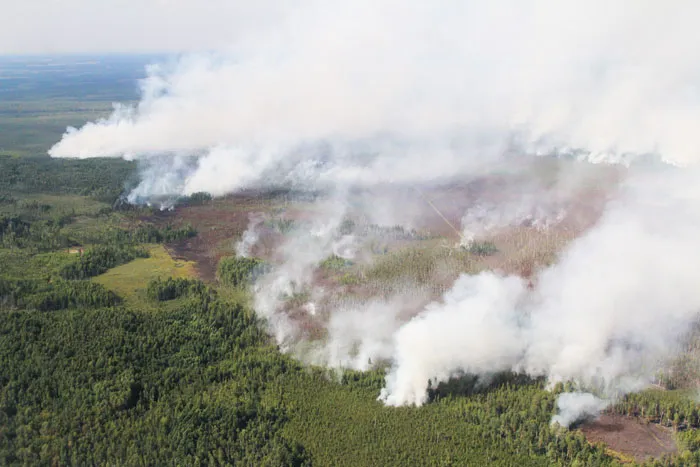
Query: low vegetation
[(482, 248), (335, 263), (130, 280)]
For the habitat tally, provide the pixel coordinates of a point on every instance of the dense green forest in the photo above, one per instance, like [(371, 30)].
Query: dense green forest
[(91, 377)]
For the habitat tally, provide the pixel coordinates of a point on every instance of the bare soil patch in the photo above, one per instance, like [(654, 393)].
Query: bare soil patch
[(219, 225), (630, 436)]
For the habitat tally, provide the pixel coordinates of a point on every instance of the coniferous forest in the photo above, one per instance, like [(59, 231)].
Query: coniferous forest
[(184, 373), (117, 350)]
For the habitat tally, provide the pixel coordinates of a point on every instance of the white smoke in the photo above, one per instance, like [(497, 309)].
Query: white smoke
[(576, 406), (298, 258), (482, 337), (527, 210), (367, 92), (250, 236), (360, 336), (607, 314), (364, 94), (345, 247)]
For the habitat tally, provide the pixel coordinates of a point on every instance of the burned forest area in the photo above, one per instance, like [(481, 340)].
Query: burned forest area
[(351, 234)]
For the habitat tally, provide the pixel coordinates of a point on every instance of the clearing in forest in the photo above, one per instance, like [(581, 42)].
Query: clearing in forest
[(130, 280), (631, 437)]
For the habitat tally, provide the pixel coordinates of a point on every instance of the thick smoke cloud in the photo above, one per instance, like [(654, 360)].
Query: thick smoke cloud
[(577, 406), (383, 86), (347, 95), (607, 315)]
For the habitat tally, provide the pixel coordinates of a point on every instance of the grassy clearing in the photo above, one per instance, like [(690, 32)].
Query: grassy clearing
[(130, 280)]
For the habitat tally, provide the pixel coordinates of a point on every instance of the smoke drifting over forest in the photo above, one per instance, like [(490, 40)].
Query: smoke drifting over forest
[(373, 97)]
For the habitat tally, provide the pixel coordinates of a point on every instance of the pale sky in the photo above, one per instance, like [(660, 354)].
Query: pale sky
[(125, 26)]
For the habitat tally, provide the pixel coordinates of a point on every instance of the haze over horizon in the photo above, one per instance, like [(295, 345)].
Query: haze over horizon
[(67, 27)]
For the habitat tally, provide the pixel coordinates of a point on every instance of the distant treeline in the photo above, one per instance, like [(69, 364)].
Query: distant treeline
[(667, 408), (195, 199), (46, 234), (100, 179), (149, 233)]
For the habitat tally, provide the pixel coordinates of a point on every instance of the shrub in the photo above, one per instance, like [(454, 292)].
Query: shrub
[(195, 199), (334, 263), (149, 233), (7, 199), (483, 249)]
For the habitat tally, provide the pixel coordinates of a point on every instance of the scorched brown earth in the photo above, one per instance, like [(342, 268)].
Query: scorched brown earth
[(631, 436), (437, 212), (219, 225)]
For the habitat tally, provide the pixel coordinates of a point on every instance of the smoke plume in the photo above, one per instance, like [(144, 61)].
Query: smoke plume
[(577, 406), (606, 314), (370, 103), (363, 92)]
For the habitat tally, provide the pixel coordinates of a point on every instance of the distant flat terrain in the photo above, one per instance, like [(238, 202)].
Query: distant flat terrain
[(41, 96)]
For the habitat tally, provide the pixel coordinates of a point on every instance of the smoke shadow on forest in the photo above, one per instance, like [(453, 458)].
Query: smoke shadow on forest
[(467, 384)]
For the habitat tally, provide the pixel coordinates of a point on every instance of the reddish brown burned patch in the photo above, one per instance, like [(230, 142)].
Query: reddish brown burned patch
[(582, 207), (522, 249), (630, 436), (219, 224)]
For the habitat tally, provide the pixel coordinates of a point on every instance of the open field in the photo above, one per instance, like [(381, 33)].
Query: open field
[(130, 280)]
